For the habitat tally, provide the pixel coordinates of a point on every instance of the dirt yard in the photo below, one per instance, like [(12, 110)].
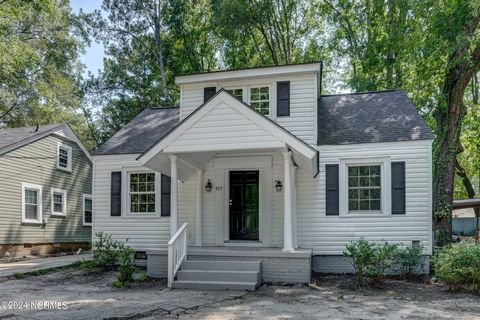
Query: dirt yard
[(90, 296)]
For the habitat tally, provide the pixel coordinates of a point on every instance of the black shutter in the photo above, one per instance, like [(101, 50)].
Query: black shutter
[(208, 92), (165, 195), (331, 189), (398, 188), (283, 98), (116, 194)]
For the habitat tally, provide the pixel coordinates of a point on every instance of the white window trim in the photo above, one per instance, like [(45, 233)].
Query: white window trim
[(86, 196), (69, 150), (64, 204), (385, 181), (39, 188), (126, 194), (269, 85)]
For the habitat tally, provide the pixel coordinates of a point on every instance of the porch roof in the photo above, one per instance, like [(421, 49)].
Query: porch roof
[(224, 124)]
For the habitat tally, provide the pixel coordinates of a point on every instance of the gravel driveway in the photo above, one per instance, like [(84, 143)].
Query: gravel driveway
[(90, 296)]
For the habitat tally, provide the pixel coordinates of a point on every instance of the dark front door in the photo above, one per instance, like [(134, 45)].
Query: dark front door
[(244, 205)]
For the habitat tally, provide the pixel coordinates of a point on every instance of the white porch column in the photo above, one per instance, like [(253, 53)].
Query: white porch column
[(173, 195), (294, 205), (287, 210), (199, 212)]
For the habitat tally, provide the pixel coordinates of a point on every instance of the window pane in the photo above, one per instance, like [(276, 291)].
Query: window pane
[(353, 205), (151, 186), (364, 171), (353, 171), (88, 204), (375, 170), (364, 181), (364, 194), (30, 196), (63, 157), (353, 194), (88, 216), (375, 181), (374, 204), (151, 207), (374, 193), (31, 211), (260, 99), (353, 182), (364, 205)]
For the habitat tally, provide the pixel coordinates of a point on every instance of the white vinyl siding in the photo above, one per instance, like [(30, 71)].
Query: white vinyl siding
[(302, 121), (140, 231), (328, 235)]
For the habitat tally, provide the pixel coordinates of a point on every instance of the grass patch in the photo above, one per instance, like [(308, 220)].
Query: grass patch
[(19, 275)]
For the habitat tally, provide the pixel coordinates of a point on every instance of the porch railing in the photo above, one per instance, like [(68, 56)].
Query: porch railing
[(177, 252)]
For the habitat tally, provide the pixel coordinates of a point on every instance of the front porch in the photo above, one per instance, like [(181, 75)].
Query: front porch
[(233, 181)]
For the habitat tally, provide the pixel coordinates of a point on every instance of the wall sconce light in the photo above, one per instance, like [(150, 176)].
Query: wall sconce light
[(208, 186), (278, 185)]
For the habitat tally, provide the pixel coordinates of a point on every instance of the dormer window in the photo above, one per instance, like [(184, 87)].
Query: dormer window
[(236, 92), (260, 99), (64, 157)]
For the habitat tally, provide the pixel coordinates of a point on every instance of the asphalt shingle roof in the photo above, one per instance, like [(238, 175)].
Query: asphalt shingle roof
[(142, 132), (9, 136), (382, 116)]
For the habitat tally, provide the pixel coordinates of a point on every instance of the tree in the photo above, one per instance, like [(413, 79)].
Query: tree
[(39, 68)]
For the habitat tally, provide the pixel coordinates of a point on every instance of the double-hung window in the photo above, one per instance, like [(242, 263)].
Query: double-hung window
[(59, 202), (87, 210), (142, 192), (31, 203), (260, 99), (364, 188), (64, 157)]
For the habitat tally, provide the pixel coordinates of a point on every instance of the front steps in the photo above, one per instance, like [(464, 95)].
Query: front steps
[(219, 275)]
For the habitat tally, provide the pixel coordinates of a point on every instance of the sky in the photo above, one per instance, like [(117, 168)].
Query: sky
[(93, 57)]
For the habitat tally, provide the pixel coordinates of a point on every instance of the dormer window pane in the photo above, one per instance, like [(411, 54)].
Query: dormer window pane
[(260, 99), (237, 93), (63, 158)]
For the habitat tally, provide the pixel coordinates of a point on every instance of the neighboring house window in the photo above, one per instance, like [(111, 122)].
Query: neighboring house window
[(87, 210), (59, 202), (260, 99), (237, 93), (31, 203), (142, 192), (64, 157), (364, 188)]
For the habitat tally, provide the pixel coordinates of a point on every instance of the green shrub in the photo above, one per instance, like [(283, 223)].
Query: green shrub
[(142, 277), (19, 275), (410, 260), (458, 265), (369, 260), (126, 267), (106, 250)]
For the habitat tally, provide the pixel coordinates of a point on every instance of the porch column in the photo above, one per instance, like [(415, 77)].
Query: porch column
[(287, 210), (294, 206), (199, 212), (173, 195)]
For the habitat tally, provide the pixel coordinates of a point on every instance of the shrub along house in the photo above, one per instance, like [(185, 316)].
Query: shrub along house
[(256, 176), (46, 190)]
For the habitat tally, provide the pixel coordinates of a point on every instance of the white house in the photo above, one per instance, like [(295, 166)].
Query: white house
[(264, 178)]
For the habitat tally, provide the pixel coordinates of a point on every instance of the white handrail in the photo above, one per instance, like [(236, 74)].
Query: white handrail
[(177, 252)]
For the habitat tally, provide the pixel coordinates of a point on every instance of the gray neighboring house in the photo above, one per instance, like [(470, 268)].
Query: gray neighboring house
[(45, 190)]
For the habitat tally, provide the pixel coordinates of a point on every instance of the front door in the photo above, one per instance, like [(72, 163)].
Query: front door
[(244, 196)]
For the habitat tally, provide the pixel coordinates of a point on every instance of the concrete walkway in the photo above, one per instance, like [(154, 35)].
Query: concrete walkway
[(9, 269)]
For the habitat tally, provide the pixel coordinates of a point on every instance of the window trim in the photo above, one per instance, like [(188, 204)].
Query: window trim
[(157, 194), (84, 197), (269, 85), (39, 189), (64, 203), (69, 156), (385, 186)]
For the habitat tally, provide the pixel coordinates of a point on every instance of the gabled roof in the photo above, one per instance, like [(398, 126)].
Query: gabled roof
[(381, 116), (232, 108), (143, 131), (13, 138)]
